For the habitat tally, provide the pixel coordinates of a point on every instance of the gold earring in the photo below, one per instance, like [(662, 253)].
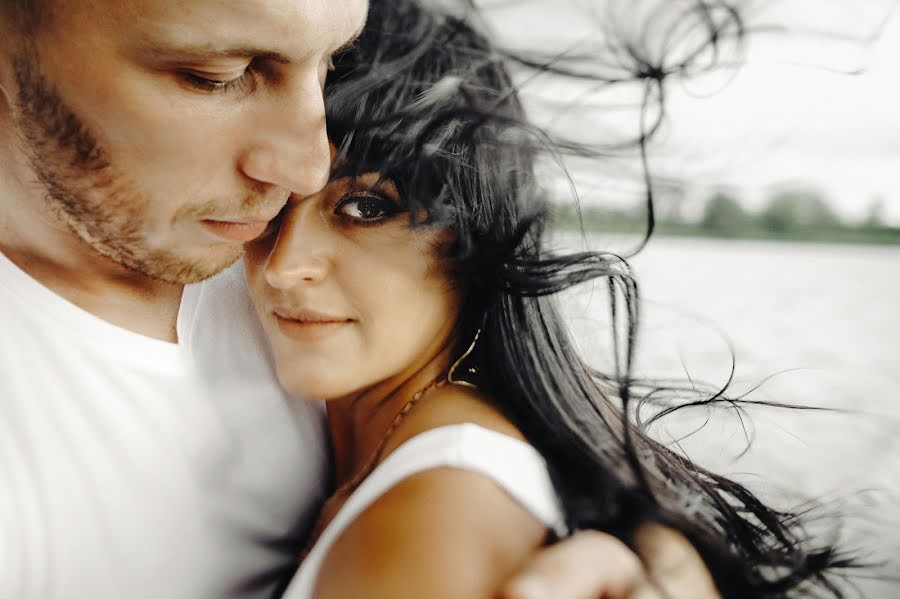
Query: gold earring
[(472, 370)]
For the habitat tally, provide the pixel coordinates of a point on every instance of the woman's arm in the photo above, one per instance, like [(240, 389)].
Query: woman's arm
[(443, 534)]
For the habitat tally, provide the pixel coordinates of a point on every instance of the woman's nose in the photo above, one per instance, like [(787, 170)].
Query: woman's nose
[(302, 254), (286, 274)]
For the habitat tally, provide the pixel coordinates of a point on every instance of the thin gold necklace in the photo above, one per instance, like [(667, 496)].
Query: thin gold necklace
[(329, 510), (351, 485), (348, 487)]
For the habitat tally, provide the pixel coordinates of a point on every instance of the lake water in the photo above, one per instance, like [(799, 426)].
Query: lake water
[(826, 317)]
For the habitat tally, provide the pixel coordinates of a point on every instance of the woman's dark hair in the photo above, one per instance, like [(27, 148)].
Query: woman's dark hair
[(424, 99)]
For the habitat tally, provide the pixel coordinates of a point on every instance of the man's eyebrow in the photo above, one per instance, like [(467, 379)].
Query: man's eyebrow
[(179, 51), (205, 52)]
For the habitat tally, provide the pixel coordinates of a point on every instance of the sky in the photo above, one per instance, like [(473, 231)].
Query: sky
[(794, 114), (814, 104)]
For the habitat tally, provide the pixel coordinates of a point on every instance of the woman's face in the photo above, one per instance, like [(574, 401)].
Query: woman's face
[(348, 294)]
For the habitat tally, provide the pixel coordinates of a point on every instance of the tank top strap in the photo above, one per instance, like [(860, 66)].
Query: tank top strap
[(515, 466), (511, 463)]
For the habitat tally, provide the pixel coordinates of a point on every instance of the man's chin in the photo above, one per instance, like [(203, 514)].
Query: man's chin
[(169, 267)]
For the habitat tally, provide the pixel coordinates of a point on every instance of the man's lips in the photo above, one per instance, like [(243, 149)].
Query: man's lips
[(236, 230)]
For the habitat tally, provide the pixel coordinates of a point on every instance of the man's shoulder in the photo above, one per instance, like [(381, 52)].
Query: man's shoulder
[(218, 318), (222, 297), (228, 286)]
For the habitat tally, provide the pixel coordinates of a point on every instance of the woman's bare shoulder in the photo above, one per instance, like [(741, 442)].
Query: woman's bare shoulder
[(441, 533)]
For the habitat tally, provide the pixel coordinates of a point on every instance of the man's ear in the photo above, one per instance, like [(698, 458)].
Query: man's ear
[(11, 44), (8, 35), (7, 81)]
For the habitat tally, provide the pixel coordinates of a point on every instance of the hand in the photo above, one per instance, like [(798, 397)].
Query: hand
[(594, 565)]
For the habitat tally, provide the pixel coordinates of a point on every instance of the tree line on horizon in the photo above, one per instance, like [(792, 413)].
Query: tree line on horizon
[(788, 214)]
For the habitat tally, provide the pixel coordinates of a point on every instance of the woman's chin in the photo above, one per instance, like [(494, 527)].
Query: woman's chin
[(313, 386), (310, 392)]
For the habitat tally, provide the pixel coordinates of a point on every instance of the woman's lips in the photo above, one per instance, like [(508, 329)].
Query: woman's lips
[(235, 231), (309, 326)]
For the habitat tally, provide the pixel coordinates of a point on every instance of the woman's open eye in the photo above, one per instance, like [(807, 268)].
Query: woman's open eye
[(367, 207)]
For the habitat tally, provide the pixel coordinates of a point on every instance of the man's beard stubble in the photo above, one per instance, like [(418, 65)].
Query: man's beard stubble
[(86, 193)]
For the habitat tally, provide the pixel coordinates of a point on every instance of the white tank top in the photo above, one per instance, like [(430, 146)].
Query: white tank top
[(514, 465)]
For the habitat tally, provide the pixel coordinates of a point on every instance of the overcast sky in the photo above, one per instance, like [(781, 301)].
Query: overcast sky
[(816, 105), (786, 118)]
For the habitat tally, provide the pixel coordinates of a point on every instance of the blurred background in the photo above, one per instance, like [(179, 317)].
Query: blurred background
[(775, 163)]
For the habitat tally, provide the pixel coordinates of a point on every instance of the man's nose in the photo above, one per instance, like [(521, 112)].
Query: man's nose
[(290, 146)]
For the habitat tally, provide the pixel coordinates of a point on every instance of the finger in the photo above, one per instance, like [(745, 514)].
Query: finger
[(588, 565), (673, 563)]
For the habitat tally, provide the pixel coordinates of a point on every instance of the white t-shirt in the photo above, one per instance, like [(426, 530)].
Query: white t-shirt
[(513, 465), (132, 467)]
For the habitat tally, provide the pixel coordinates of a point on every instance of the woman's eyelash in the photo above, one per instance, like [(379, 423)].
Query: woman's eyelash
[(386, 206)]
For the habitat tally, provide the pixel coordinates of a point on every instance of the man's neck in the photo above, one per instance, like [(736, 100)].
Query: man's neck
[(58, 259), (150, 310)]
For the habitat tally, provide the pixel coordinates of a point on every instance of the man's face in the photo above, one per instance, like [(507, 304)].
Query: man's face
[(168, 132)]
